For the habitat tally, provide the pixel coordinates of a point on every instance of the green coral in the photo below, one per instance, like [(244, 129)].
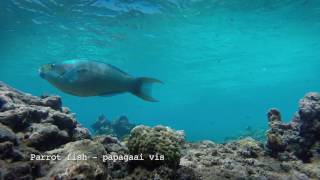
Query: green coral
[(158, 140), (249, 143)]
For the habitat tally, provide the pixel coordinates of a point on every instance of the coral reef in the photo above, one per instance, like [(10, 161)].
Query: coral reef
[(300, 138), (78, 169), (243, 159), (32, 125), (41, 127), (119, 127)]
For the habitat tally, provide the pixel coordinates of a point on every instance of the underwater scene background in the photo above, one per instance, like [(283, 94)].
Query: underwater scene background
[(223, 63)]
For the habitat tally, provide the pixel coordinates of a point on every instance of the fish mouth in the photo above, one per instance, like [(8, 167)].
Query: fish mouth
[(45, 73), (41, 73)]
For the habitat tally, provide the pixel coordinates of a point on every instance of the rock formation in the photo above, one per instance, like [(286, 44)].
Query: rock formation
[(32, 125), (119, 127)]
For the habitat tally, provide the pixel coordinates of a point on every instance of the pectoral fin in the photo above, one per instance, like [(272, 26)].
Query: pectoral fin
[(76, 75)]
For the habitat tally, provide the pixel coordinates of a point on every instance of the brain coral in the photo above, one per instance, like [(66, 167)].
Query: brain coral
[(158, 140)]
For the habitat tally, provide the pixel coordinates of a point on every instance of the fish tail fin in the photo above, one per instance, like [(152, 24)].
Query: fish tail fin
[(143, 88)]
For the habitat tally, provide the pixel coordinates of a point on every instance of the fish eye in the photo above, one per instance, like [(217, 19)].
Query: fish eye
[(53, 66)]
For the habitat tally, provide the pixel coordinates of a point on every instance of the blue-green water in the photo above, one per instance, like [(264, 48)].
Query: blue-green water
[(224, 62)]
